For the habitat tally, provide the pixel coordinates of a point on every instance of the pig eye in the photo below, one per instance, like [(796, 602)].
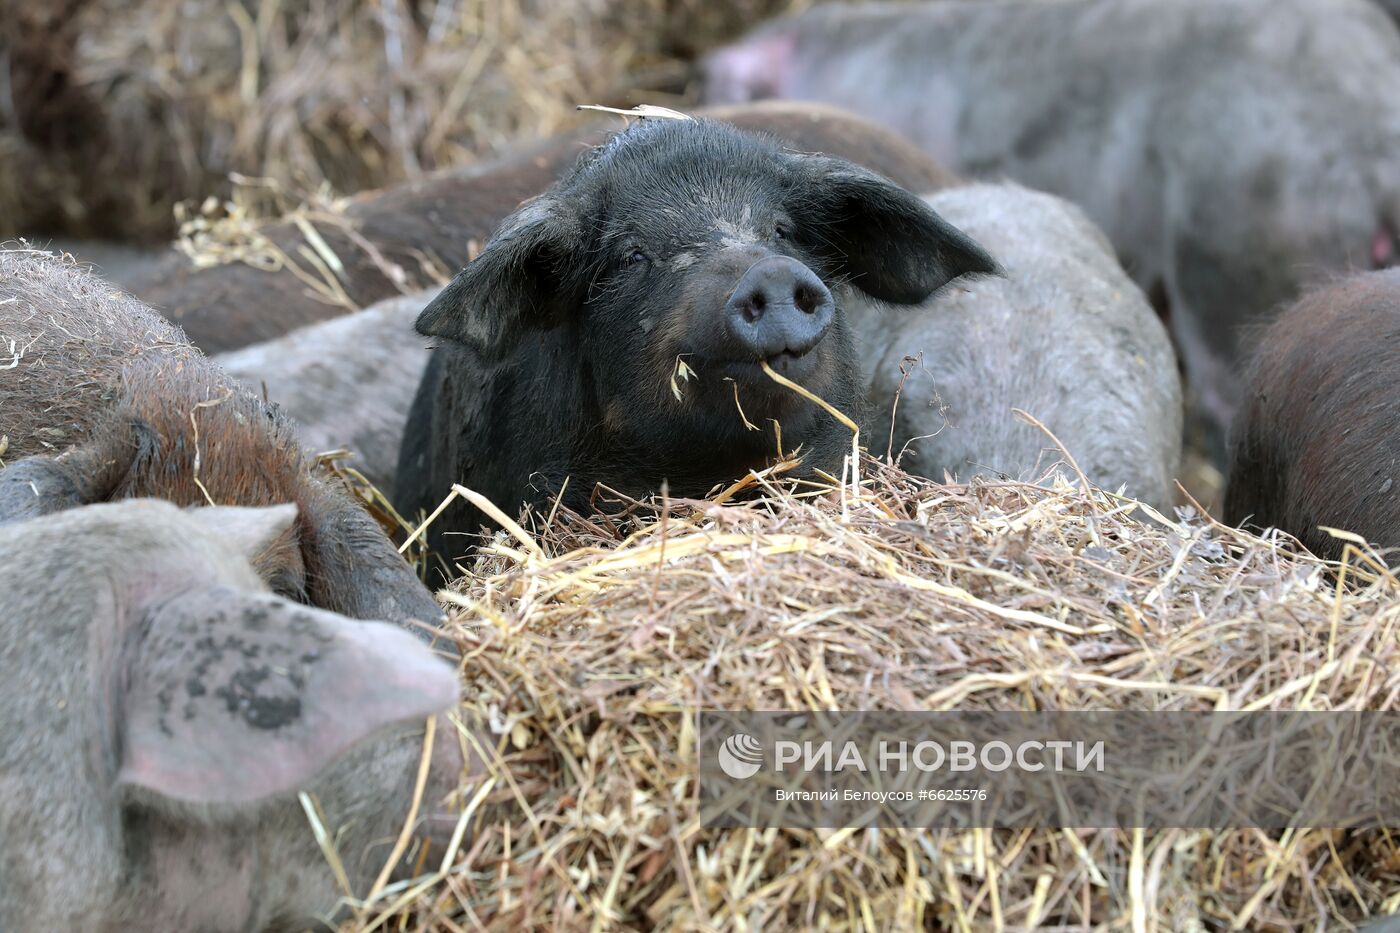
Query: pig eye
[(780, 232), (636, 257)]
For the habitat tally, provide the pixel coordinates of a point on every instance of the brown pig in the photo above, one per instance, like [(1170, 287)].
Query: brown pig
[(1316, 442), (101, 399), (443, 219), (161, 711)]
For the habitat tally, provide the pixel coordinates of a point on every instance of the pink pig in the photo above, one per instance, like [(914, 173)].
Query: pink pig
[(161, 709)]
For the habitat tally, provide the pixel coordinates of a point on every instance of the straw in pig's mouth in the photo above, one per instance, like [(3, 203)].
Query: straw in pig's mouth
[(789, 363)]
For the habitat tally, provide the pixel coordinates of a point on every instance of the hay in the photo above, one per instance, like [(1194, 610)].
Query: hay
[(311, 93), (588, 648), (234, 231)]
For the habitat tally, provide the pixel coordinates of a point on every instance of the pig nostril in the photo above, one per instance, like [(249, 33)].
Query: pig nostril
[(754, 308), (805, 299)]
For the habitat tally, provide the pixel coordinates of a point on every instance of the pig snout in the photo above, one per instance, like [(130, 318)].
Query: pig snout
[(748, 71), (779, 312), (1383, 248)]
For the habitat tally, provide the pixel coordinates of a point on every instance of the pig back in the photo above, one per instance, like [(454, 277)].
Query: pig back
[(1315, 442), (57, 719), (1063, 335), (814, 127), (346, 383), (67, 337)]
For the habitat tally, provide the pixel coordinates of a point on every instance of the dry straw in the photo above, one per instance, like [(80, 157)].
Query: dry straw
[(589, 644), (349, 94)]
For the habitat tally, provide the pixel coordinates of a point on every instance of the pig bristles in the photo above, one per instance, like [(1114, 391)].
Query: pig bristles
[(587, 661)]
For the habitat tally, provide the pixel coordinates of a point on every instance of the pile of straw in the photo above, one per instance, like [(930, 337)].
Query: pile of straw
[(590, 643), (174, 96)]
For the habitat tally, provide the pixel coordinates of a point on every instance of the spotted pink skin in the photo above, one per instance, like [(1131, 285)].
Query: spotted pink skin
[(163, 712)]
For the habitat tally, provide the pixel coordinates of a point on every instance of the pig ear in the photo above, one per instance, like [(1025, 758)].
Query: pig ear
[(37, 486), (83, 474), (890, 244), (231, 697), (250, 532), (527, 278), (353, 568)]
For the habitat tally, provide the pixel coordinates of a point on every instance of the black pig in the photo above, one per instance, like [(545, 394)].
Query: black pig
[(680, 252), (443, 218)]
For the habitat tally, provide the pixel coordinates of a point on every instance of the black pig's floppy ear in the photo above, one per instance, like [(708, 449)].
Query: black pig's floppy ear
[(888, 242), (527, 278)]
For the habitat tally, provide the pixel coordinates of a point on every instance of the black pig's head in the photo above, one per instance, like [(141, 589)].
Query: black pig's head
[(676, 258)]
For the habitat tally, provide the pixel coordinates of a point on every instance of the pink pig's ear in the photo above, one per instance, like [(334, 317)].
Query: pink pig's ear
[(233, 696), (247, 531)]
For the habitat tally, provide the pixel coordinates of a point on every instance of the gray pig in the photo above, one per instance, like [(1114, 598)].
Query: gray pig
[(1230, 149), (1065, 336), (347, 382), (161, 709), (1389, 924), (118, 263)]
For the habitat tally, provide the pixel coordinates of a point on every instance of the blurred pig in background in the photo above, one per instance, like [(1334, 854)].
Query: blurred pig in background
[(1063, 334), (1232, 150)]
